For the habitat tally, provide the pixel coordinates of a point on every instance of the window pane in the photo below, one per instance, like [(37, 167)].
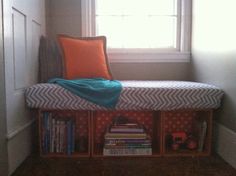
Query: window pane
[(142, 32), (135, 33), (162, 32), (150, 7), (136, 7), (111, 27), (137, 23), (109, 7), (162, 7)]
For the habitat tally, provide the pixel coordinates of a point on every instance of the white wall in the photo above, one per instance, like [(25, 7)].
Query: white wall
[(214, 52), (63, 16), (214, 62)]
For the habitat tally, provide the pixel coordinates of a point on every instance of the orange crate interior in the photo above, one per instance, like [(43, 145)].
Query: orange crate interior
[(184, 121)]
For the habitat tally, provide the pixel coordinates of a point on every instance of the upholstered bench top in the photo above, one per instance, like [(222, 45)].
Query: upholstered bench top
[(135, 95)]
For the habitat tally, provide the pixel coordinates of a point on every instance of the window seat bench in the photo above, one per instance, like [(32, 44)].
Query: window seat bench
[(163, 107)]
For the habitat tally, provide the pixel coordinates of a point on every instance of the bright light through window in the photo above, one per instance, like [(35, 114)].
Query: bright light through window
[(140, 30), (138, 23)]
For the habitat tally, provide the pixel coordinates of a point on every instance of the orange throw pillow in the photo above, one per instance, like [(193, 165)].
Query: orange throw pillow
[(85, 57)]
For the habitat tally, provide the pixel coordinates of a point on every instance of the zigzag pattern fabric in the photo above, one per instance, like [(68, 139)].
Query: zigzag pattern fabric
[(135, 95)]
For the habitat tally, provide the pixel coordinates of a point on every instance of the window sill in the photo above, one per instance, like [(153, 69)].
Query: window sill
[(176, 57)]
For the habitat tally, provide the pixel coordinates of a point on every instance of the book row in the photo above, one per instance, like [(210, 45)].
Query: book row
[(58, 135), (80, 135)]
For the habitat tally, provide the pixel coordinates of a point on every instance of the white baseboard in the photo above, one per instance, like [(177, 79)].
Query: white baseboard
[(225, 143), (19, 147), (19, 142), (12, 134)]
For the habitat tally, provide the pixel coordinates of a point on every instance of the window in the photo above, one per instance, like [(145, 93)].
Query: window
[(140, 30)]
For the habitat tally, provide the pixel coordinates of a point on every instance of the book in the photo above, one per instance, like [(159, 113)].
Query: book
[(109, 135), (127, 141), (73, 137), (127, 151), (44, 133), (127, 128), (57, 138), (202, 135), (69, 137), (53, 135), (61, 136), (126, 146)]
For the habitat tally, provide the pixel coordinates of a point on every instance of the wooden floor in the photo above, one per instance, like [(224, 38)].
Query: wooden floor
[(204, 166)]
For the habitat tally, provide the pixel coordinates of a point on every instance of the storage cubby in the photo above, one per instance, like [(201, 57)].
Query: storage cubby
[(64, 133), (67, 133), (101, 120), (186, 133)]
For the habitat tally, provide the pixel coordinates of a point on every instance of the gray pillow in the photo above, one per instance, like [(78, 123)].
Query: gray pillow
[(50, 60)]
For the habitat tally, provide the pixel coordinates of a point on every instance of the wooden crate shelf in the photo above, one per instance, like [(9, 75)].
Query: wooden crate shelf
[(90, 127), (190, 122), (149, 119), (64, 133)]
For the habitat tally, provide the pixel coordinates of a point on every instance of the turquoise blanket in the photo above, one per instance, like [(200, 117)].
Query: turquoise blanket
[(99, 91)]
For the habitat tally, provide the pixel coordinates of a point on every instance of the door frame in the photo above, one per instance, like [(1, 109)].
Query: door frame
[(3, 140)]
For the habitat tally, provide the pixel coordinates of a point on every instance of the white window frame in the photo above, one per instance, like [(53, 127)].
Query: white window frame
[(182, 54)]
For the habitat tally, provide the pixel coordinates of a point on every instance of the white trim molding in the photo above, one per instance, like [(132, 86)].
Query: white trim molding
[(88, 20), (13, 133), (225, 143), (148, 57), (186, 25)]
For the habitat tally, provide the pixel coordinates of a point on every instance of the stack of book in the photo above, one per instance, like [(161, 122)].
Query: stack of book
[(58, 135), (127, 139)]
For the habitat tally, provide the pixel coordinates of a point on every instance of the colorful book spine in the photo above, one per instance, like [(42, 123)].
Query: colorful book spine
[(69, 137), (125, 135), (58, 135), (202, 136), (127, 141), (126, 146), (126, 130), (53, 129), (46, 133), (61, 136), (127, 152), (73, 137)]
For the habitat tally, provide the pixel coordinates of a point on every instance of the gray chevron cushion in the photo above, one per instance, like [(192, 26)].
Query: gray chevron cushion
[(135, 95)]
